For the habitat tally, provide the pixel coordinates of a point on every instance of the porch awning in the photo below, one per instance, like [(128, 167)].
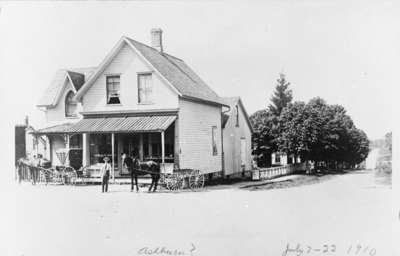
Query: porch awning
[(122, 124), (56, 129)]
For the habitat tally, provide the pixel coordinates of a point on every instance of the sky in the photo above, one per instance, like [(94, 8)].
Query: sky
[(346, 52)]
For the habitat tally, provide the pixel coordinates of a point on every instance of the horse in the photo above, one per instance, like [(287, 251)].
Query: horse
[(143, 168)]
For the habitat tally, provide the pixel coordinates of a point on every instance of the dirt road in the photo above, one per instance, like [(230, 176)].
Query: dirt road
[(342, 213)]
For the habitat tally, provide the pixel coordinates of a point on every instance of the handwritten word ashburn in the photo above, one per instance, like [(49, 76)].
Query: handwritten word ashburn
[(162, 250)]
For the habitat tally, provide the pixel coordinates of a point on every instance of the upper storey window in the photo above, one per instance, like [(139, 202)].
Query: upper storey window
[(145, 89), (113, 89), (70, 105)]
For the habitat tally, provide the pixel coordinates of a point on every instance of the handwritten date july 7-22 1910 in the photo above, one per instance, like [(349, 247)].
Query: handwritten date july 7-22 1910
[(331, 249)]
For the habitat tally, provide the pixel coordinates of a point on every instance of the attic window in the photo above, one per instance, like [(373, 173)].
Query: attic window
[(113, 88), (70, 105)]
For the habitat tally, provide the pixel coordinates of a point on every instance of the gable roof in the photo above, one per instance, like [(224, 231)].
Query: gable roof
[(178, 73), (77, 79), (54, 91), (232, 102), (174, 71)]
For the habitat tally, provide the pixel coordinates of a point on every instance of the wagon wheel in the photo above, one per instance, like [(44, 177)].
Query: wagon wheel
[(173, 182), (70, 175), (42, 176), (196, 181), (50, 175)]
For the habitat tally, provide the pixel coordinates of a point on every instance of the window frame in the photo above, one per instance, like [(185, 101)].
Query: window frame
[(277, 158), (107, 89), (237, 115), (68, 102), (214, 147), (146, 102)]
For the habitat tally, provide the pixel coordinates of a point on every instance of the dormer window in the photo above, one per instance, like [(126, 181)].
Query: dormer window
[(113, 88), (145, 89), (70, 105)]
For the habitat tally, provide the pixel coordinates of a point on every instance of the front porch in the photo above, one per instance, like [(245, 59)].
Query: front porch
[(90, 140)]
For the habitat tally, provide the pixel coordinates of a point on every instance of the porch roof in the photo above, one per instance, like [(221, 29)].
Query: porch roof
[(122, 124), (55, 129)]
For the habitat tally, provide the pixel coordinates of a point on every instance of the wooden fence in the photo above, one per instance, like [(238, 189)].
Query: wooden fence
[(274, 172)]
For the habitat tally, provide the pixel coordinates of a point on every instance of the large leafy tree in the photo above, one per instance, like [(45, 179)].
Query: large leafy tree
[(321, 132), (281, 97), (263, 136)]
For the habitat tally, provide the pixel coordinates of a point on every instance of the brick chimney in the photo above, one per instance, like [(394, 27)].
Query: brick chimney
[(156, 39)]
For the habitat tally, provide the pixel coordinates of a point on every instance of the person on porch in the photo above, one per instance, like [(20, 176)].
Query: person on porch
[(105, 174)]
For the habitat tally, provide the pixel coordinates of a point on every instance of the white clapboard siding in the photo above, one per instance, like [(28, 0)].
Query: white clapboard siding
[(128, 64), (195, 136), (232, 136)]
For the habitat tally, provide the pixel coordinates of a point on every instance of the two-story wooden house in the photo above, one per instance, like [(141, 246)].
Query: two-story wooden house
[(144, 101)]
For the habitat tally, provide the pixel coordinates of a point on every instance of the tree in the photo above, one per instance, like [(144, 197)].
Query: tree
[(263, 136), (322, 133), (266, 125), (281, 97)]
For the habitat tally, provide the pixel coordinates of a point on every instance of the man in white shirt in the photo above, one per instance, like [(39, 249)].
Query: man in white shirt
[(105, 174)]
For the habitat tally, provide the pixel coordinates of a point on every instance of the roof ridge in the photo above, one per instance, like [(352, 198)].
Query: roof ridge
[(231, 97), (74, 72), (166, 55), (180, 69), (148, 46), (172, 56), (80, 68)]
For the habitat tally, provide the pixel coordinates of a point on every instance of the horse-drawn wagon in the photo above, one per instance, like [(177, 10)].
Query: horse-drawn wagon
[(172, 179), (181, 178), (166, 175)]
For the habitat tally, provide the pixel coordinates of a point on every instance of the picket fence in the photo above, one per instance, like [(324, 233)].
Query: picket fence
[(274, 172)]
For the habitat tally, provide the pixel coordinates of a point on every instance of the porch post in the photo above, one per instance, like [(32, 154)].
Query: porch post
[(119, 152), (85, 149), (150, 145), (141, 146), (112, 155), (67, 148), (162, 148), (50, 149), (36, 145)]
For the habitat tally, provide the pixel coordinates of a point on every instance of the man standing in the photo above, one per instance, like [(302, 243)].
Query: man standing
[(105, 174), (33, 168)]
